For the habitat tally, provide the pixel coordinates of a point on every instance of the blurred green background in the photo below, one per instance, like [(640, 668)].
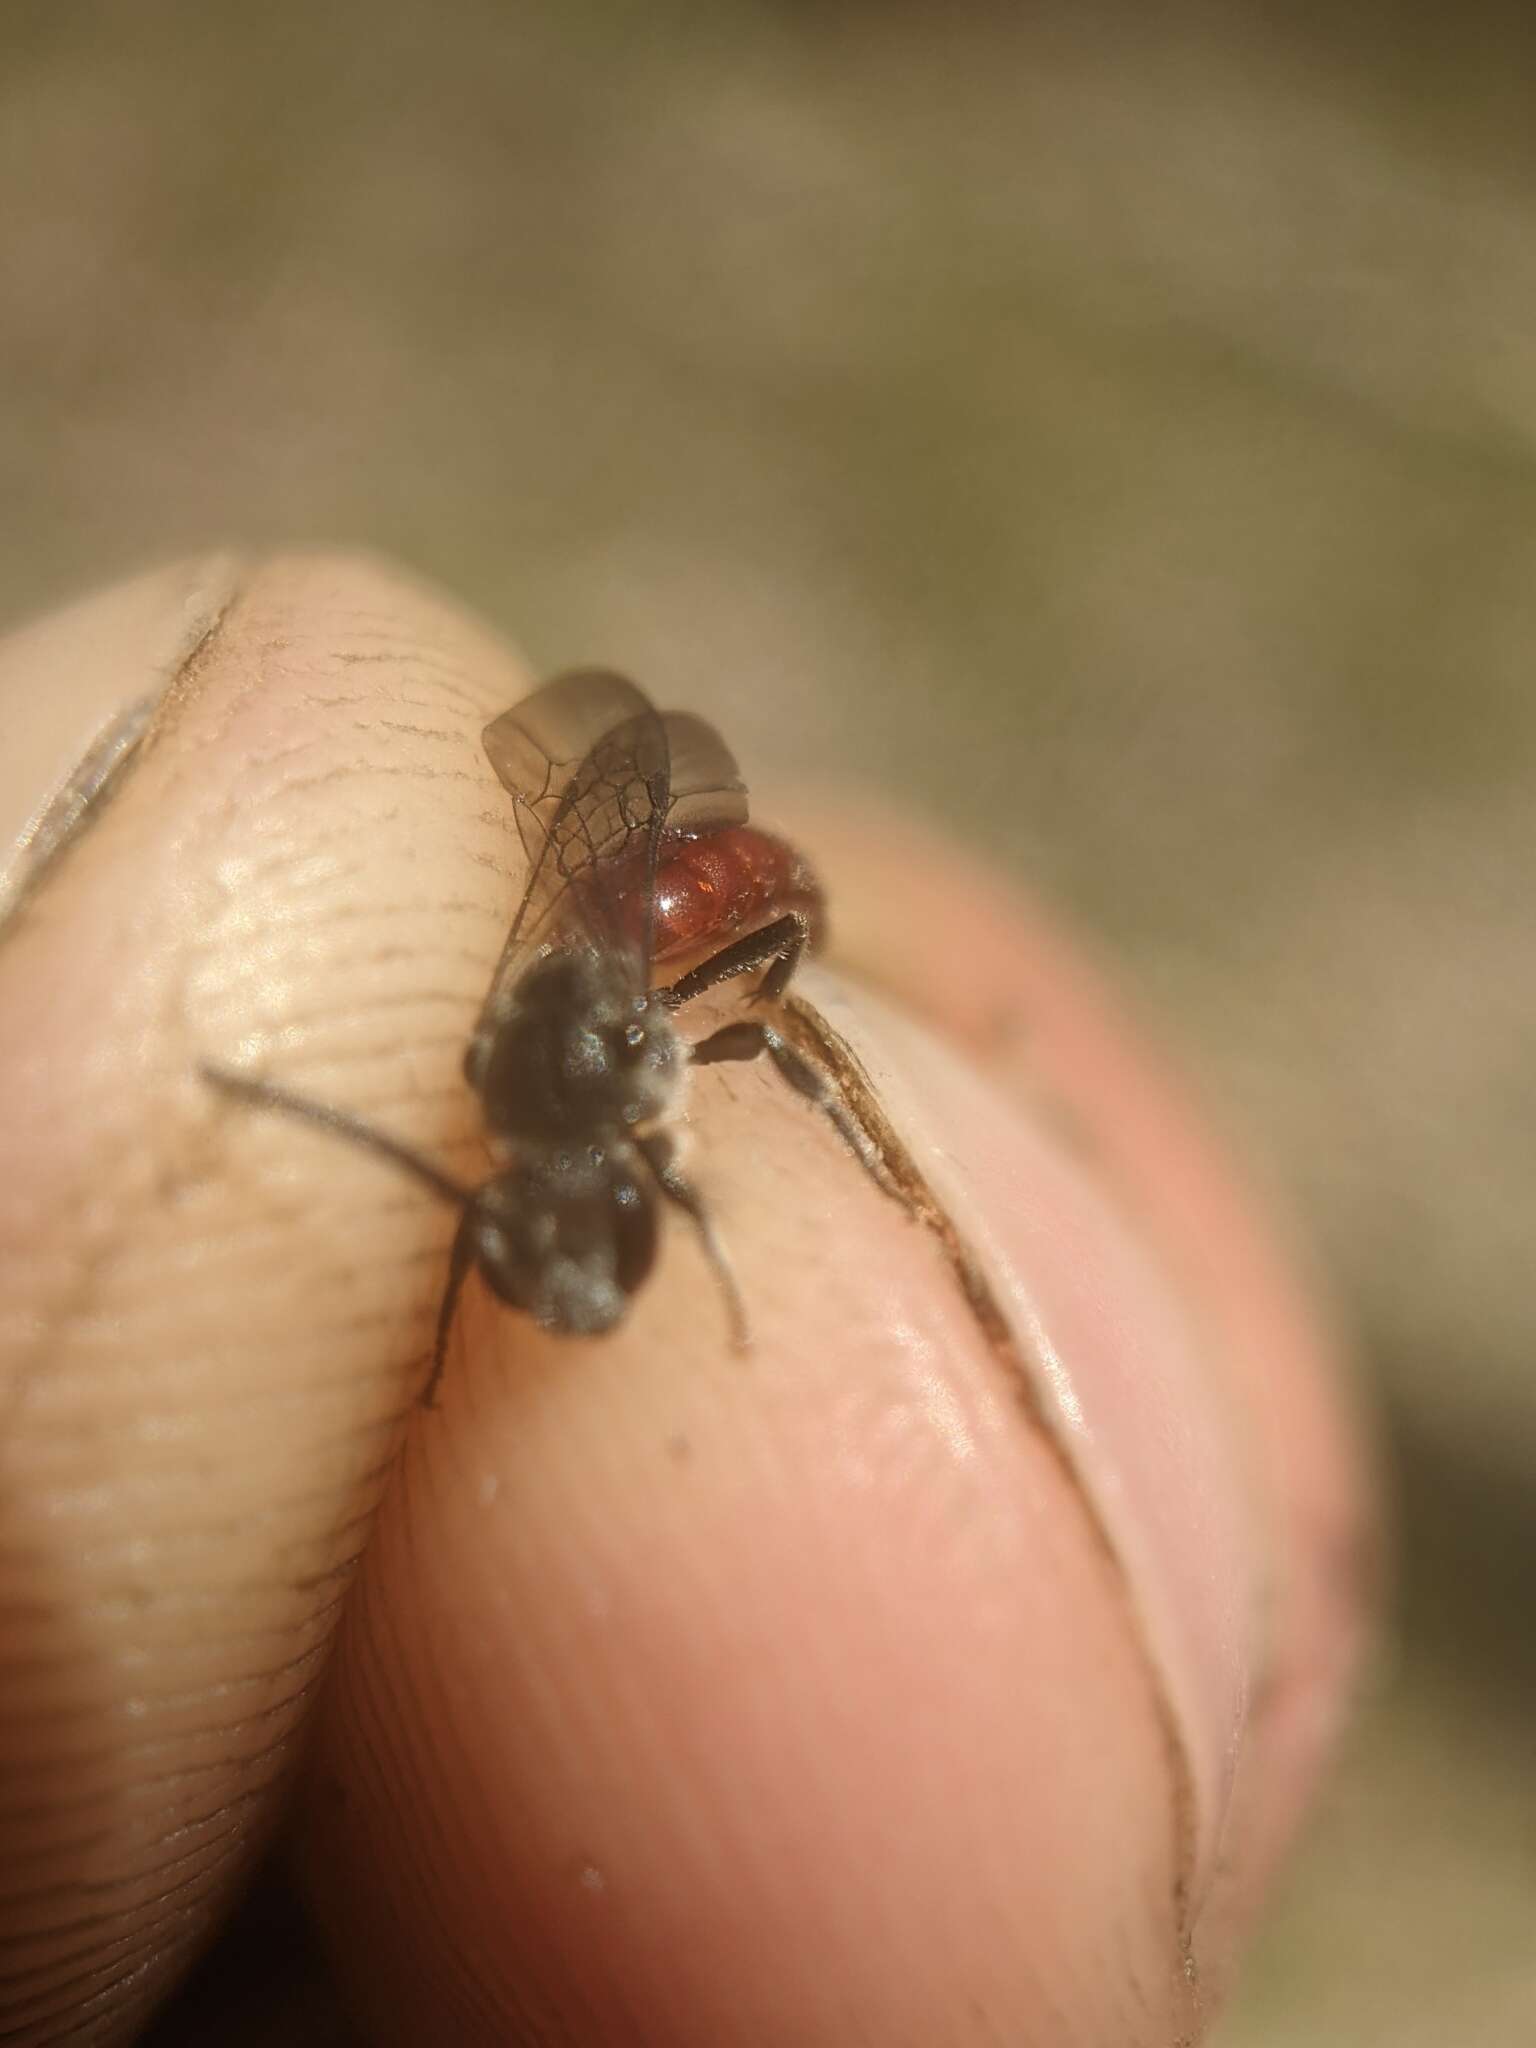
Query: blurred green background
[(1112, 429)]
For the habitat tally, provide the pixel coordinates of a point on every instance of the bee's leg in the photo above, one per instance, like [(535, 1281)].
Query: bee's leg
[(751, 1041), (460, 1259), (660, 1155), (781, 943)]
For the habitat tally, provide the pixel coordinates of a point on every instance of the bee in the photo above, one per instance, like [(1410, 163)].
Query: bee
[(641, 856)]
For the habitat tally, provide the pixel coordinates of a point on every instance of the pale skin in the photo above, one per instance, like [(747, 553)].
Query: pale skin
[(913, 1678)]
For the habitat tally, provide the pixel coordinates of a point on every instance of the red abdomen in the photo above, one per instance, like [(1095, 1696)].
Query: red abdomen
[(713, 887)]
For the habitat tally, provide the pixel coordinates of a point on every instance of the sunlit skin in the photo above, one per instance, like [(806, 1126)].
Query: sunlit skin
[(648, 1690)]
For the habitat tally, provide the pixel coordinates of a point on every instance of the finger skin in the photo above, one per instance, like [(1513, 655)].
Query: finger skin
[(682, 1697), (803, 1702), (211, 1330), (1035, 1015), (697, 1699)]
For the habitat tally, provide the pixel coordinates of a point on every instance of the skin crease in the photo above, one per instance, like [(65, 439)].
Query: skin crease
[(678, 1697), (1038, 1019)]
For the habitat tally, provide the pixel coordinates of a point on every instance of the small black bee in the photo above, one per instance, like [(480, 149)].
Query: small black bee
[(640, 853)]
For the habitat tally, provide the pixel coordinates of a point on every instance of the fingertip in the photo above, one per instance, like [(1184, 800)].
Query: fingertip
[(893, 1677), (847, 1686), (211, 1323), (80, 688), (727, 1700)]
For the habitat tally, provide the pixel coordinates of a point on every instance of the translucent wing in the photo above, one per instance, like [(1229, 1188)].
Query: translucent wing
[(587, 763), (599, 779)]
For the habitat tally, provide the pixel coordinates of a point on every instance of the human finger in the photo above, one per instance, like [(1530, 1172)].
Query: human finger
[(212, 1331), (901, 1683)]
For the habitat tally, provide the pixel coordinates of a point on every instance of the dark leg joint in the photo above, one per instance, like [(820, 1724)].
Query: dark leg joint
[(749, 1041)]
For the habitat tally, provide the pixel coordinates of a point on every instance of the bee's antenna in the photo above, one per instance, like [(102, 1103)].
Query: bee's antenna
[(267, 1095)]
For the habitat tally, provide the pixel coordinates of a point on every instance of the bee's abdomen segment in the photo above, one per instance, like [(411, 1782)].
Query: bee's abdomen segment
[(711, 887)]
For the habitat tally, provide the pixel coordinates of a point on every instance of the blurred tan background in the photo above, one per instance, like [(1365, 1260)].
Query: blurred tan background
[(1118, 439)]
